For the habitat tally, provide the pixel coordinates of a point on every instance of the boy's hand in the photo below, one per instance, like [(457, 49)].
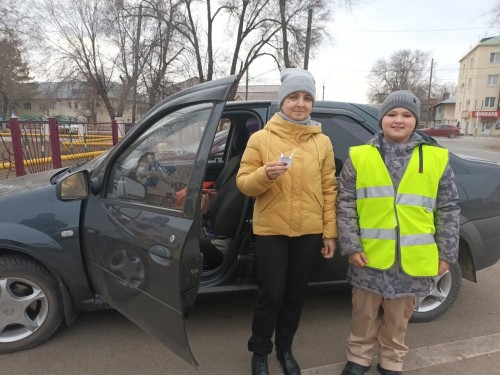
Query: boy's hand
[(443, 267), (358, 260)]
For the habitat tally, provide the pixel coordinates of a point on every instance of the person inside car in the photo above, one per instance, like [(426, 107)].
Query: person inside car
[(289, 168), (398, 222)]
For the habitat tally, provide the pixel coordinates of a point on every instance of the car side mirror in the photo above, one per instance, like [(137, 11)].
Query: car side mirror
[(75, 186)]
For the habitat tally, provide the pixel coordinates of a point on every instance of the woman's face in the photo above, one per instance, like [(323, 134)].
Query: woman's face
[(297, 106), (398, 124)]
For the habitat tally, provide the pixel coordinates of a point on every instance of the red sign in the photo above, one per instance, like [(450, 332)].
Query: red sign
[(486, 114)]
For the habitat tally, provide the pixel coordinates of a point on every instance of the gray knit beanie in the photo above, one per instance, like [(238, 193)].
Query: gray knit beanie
[(294, 80), (405, 99)]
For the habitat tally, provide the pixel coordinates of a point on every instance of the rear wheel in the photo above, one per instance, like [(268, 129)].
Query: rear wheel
[(445, 289), (31, 308)]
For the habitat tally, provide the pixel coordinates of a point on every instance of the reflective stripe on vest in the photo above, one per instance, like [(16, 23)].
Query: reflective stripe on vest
[(407, 215)]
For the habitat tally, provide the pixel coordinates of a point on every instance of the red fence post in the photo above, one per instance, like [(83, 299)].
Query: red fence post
[(54, 143), (114, 131), (15, 133)]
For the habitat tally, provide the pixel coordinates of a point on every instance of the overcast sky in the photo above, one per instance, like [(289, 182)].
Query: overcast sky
[(375, 29)]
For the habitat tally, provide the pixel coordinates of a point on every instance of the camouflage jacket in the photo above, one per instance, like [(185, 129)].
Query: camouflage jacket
[(394, 282)]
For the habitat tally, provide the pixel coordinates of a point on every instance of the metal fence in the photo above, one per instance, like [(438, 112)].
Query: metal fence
[(33, 146)]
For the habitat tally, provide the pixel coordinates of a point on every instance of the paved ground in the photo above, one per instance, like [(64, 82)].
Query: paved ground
[(480, 355)]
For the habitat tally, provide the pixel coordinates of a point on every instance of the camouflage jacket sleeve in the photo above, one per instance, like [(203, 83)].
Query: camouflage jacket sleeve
[(347, 215), (447, 217)]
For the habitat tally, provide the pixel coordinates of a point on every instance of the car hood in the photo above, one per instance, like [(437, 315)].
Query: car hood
[(473, 158), (27, 182)]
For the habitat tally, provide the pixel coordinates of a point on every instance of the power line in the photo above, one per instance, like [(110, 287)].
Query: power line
[(415, 30)]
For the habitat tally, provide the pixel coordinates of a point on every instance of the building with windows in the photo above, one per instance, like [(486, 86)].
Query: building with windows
[(478, 92), (444, 111), (73, 102)]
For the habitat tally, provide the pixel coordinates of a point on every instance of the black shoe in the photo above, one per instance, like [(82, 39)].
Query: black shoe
[(383, 371), (288, 362), (352, 368), (259, 364)]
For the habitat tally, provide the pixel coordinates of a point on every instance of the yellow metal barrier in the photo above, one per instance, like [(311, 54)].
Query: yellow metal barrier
[(48, 160)]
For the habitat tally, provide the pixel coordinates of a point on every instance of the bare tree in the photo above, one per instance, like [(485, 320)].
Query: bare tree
[(495, 14), (404, 70), (291, 44), (444, 90), (76, 37), (167, 46), (99, 43), (15, 80), (253, 29)]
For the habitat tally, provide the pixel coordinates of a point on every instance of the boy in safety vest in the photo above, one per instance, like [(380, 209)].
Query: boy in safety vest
[(398, 222)]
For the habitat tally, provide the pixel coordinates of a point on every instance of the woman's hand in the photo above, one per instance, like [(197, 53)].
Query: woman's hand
[(328, 248), (275, 169)]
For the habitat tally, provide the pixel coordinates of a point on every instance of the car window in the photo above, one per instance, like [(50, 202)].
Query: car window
[(225, 132), (162, 159), (221, 135), (344, 132)]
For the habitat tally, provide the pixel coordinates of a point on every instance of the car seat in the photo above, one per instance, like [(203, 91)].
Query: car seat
[(226, 210)]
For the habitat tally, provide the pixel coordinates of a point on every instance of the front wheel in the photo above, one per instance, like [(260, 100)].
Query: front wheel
[(444, 292), (31, 307)]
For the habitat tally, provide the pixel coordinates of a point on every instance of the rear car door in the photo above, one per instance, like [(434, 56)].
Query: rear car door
[(142, 222)]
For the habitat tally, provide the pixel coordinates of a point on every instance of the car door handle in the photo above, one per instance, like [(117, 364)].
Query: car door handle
[(161, 255)]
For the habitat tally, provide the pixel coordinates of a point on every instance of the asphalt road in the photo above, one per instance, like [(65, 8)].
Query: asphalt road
[(487, 148), (106, 343), (465, 340)]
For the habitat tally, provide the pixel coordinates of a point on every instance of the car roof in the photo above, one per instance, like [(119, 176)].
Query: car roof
[(361, 110)]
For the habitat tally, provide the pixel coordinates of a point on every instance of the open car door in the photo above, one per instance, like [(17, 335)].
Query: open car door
[(142, 222)]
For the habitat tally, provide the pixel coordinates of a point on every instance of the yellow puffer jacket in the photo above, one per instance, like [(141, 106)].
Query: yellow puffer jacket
[(302, 200)]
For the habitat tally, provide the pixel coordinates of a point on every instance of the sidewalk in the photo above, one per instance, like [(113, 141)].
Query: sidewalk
[(478, 355)]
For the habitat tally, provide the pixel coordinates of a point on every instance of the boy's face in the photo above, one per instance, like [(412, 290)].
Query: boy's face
[(398, 124), (297, 106)]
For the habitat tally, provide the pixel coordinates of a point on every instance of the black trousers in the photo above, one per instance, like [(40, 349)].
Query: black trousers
[(284, 265)]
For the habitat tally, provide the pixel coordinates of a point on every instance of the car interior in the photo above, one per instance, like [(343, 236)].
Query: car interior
[(229, 212)]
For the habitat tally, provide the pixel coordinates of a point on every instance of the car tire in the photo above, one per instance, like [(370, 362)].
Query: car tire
[(445, 290), (31, 308), (452, 135)]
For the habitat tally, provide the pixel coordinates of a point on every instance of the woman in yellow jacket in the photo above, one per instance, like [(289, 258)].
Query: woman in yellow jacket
[(289, 168)]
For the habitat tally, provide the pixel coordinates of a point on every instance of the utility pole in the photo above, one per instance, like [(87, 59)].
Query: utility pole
[(429, 96), (308, 38), (136, 63)]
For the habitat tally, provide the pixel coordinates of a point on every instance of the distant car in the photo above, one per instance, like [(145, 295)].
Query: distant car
[(119, 231), (442, 130), (68, 128)]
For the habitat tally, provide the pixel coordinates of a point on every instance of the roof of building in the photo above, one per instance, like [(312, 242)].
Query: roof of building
[(69, 90), (492, 40), (450, 100), (257, 92), (489, 41)]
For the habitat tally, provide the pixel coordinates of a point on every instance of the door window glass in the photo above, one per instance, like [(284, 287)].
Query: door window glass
[(157, 167), (344, 132)]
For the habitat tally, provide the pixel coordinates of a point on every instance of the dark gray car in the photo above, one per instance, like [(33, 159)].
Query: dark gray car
[(126, 229)]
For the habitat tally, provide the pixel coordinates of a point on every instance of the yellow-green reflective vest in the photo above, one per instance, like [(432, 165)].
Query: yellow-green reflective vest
[(407, 216)]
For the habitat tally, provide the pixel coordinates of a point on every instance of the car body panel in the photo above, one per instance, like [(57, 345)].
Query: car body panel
[(45, 229)]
